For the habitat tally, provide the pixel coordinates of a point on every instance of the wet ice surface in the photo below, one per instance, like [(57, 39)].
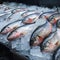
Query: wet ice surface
[(22, 44)]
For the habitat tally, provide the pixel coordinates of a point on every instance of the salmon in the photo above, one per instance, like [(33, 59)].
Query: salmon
[(51, 43), (40, 33)]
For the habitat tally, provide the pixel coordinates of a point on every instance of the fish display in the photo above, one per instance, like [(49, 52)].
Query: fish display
[(28, 12), (32, 18), (56, 54), (29, 28), (11, 26), (51, 43), (40, 33)]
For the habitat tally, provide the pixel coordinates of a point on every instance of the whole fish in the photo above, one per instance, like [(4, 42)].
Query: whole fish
[(28, 12), (51, 43), (32, 18), (20, 32), (40, 34), (54, 18), (56, 54), (11, 26)]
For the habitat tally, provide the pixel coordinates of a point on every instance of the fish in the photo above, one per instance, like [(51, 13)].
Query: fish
[(54, 18), (40, 34), (56, 54), (11, 26), (28, 12), (58, 23), (32, 18), (47, 14), (20, 32), (51, 43)]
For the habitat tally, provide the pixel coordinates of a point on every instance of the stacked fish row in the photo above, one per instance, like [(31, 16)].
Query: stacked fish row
[(44, 35)]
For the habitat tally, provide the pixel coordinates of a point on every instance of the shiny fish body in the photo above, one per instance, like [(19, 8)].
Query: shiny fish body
[(51, 43), (56, 55), (47, 14), (54, 18), (32, 18), (40, 33), (19, 32), (11, 26), (28, 13)]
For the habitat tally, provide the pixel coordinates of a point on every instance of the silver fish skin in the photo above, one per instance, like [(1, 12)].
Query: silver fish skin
[(32, 18), (51, 43), (20, 32), (39, 34), (28, 13), (10, 27)]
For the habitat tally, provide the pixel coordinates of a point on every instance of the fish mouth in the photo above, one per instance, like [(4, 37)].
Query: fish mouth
[(2, 32)]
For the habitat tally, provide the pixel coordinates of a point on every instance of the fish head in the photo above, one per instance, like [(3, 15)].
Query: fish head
[(5, 30)]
